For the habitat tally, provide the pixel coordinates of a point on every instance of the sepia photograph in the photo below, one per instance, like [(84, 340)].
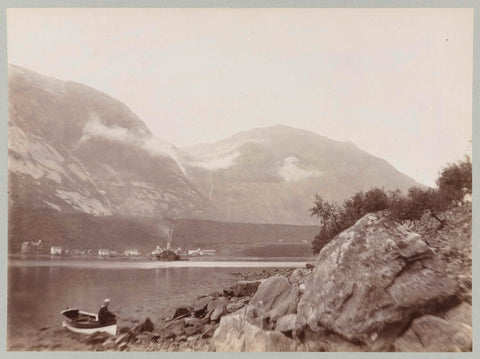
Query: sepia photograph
[(239, 179)]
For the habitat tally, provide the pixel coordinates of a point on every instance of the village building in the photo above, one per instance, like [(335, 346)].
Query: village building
[(31, 247), (202, 252), (132, 252), (56, 250), (103, 252)]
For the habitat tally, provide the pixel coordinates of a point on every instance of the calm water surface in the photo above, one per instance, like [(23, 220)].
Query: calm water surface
[(39, 289)]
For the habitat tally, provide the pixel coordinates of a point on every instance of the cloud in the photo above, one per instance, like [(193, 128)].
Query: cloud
[(96, 128), (153, 145), (218, 162), (290, 172)]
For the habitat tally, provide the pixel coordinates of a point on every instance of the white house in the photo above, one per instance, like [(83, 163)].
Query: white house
[(132, 252), (56, 251), (202, 252), (103, 252)]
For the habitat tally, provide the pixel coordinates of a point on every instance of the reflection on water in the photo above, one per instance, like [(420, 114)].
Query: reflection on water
[(37, 293)]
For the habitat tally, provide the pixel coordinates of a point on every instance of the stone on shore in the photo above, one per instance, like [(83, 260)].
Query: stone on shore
[(277, 297), (174, 329), (217, 308), (200, 307), (125, 337), (236, 333), (181, 312), (286, 324), (234, 306), (299, 275), (245, 288), (433, 334), (97, 338), (461, 313), (208, 331)]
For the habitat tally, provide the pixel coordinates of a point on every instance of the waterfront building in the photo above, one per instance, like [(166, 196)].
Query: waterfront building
[(132, 252), (103, 252), (56, 251), (202, 252), (31, 247)]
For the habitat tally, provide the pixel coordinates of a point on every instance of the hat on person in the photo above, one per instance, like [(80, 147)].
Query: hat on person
[(106, 301)]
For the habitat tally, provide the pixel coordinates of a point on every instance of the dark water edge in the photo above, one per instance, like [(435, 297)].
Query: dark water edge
[(37, 292)]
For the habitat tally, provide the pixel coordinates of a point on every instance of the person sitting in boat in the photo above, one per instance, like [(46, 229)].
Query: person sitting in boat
[(104, 315)]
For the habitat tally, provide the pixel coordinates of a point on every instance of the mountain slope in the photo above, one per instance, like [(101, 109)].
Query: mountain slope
[(75, 149), (272, 174)]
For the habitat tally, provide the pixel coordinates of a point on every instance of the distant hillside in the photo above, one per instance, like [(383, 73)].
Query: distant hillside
[(85, 231), (272, 174)]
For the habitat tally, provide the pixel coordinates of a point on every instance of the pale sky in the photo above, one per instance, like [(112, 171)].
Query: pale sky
[(396, 82)]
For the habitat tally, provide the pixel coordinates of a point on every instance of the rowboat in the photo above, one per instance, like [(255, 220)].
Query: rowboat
[(79, 321)]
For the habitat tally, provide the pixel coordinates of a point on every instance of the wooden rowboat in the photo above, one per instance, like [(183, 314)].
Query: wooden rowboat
[(79, 321)]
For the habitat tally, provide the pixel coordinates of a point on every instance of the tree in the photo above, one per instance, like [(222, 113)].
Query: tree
[(428, 200), (455, 180)]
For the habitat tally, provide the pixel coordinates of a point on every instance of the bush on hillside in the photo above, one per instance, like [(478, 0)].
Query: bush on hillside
[(454, 181), (336, 218)]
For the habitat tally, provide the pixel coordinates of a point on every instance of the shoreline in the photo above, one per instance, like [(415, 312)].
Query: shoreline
[(100, 264), (58, 338)]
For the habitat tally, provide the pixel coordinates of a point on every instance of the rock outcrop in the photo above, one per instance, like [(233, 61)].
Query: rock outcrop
[(370, 280), (377, 286)]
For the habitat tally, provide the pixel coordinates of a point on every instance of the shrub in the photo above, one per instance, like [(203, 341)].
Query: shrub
[(453, 182), (456, 179), (336, 218)]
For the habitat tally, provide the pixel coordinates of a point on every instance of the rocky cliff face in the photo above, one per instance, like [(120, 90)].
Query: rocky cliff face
[(272, 174), (378, 286), (72, 148)]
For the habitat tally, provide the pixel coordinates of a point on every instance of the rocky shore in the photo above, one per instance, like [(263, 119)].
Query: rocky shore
[(378, 286)]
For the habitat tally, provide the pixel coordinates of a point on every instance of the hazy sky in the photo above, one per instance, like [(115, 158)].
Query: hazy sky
[(396, 82)]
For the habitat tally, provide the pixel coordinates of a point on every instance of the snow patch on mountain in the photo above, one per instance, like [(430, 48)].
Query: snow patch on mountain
[(290, 172)]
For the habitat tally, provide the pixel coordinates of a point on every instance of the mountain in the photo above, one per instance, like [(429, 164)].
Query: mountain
[(270, 175), (72, 148)]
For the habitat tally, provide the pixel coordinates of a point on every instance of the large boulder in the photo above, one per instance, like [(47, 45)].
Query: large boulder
[(277, 297), (433, 334), (236, 332), (370, 280)]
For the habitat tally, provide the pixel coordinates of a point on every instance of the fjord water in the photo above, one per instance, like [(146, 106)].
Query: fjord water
[(39, 289)]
